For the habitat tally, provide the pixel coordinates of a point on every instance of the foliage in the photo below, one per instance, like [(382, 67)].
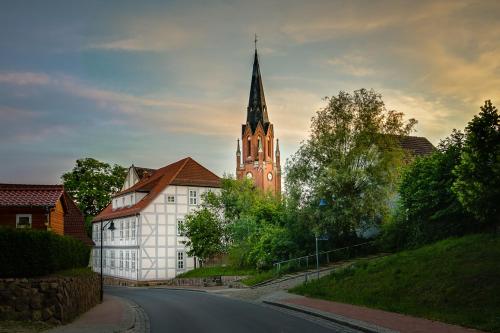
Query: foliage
[(478, 174), (91, 184), (352, 159), (216, 271), (456, 280), (26, 253), (205, 234), (428, 209), (242, 221)]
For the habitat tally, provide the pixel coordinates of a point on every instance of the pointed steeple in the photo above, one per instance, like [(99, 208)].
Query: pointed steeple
[(257, 109)]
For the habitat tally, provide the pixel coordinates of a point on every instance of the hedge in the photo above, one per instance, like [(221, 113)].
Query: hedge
[(28, 253)]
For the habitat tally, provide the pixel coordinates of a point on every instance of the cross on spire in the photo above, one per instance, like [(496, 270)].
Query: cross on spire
[(255, 41)]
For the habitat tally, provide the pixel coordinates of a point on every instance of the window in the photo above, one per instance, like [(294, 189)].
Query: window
[(112, 232), (180, 260), (127, 258), (95, 258), (121, 260), (193, 197), (104, 258), (132, 227), (104, 234), (123, 201), (170, 199), (180, 223), (268, 148), (121, 230), (249, 145), (132, 263), (127, 234), (112, 263)]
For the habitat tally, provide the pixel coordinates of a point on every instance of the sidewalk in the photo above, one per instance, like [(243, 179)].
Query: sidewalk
[(114, 314), (364, 319)]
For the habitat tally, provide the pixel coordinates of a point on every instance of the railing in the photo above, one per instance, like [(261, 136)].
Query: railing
[(324, 258)]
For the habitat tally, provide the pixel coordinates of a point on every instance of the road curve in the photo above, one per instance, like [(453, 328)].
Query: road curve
[(190, 311)]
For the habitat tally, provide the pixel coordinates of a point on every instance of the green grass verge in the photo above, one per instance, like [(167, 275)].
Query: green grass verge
[(215, 271), (259, 277), (456, 281)]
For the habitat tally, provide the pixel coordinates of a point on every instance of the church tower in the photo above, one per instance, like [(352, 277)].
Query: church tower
[(259, 158)]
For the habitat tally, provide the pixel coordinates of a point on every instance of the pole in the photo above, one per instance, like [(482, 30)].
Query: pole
[(317, 257), (102, 282)]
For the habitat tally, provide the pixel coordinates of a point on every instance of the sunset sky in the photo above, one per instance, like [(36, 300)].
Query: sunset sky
[(150, 82)]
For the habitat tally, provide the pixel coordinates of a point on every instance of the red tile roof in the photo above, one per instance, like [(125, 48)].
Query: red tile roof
[(417, 145), (24, 195), (184, 172)]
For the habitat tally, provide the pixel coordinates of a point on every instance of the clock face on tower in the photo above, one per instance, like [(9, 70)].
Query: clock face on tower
[(270, 176), (249, 175)]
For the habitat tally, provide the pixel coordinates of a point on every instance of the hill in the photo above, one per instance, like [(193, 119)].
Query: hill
[(456, 281)]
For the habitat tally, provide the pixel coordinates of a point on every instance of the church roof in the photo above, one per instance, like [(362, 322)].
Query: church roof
[(185, 172), (257, 108)]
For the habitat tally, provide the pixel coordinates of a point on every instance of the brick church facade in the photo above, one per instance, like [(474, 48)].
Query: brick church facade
[(259, 157)]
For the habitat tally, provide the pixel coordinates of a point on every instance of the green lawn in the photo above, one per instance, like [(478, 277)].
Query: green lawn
[(456, 281), (217, 270)]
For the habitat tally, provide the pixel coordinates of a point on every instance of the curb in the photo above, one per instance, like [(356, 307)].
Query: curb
[(141, 322), (351, 323)]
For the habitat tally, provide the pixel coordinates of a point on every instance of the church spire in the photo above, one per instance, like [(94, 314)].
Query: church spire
[(257, 109)]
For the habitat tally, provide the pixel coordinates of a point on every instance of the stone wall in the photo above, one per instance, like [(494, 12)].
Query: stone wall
[(51, 299), (211, 281)]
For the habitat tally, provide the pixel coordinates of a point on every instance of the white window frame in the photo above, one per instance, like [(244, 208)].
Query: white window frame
[(132, 263), (112, 232), (121, 230), (121, 260), (193, 200), (133, 229), (112, 259), (127, 232), (127, 260), (178, 224), (180, 261), (104, 258), (171, 199)]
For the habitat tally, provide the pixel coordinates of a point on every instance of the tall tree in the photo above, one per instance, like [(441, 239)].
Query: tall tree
[(430, 210), (351, 159), (91, 184), (478, 174)]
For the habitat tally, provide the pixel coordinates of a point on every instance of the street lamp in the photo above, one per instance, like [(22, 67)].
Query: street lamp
[(322, 204), (111, 227)]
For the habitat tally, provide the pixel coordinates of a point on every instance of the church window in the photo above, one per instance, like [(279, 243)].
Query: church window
[(249, 145)]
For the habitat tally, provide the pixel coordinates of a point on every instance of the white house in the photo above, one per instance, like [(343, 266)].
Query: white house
[(146, 244)]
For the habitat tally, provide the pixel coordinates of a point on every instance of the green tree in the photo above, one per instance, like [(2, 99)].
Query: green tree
[(429, 210), (205, 233), (478, 175), (91, 184), (352, 159)]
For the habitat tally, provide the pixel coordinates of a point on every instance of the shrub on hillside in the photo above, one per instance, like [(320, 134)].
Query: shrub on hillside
[(28, 253)]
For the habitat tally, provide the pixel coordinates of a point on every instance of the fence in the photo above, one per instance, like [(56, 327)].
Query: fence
[(324, 258)]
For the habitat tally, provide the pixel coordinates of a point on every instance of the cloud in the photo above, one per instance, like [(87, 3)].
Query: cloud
[(355, 65), (140, 34), (26, 78)]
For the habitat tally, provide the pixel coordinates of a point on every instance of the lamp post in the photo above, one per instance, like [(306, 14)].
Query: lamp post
[(111, 227), (322, 203)]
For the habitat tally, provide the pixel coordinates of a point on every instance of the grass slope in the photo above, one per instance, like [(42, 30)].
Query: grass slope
[(456, 281), (215, 271)]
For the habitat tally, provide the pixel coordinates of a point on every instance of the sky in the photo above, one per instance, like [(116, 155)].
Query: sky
[(151, 82)]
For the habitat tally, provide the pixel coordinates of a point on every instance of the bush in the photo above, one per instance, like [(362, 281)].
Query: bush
[(28, 253)]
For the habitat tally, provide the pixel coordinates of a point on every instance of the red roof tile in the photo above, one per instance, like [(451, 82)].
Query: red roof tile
[(29, 195), (417, 145), (184, 172)]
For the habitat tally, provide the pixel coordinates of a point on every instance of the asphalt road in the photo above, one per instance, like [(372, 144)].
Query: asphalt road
[(191, 311)]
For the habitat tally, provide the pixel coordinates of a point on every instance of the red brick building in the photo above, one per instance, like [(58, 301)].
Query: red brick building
[(42, 207), (259, 158)]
